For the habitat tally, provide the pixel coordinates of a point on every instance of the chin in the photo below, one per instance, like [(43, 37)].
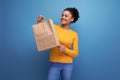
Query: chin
[(63, 23)]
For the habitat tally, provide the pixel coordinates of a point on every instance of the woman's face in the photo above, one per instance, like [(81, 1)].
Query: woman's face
[(66, 18)]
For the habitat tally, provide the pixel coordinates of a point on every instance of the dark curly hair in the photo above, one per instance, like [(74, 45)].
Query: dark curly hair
[(74, 12)]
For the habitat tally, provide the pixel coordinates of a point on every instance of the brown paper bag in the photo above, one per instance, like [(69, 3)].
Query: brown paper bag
[(45, 35)]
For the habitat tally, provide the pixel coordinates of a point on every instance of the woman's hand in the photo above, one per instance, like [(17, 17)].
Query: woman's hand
[(40, 19), (61, 48)]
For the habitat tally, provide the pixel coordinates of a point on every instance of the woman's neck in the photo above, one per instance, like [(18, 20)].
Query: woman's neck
[(66, 27)]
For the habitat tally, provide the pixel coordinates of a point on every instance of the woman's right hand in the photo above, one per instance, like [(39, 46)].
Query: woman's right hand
[(40, 19)]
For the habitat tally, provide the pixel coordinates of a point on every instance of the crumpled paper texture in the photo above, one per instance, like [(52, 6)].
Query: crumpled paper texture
[(45, 35)]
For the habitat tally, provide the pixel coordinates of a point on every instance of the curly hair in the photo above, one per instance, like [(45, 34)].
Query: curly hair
[(74, 12)]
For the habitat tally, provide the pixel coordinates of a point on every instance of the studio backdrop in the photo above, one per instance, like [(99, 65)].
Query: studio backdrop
[(99, 39)]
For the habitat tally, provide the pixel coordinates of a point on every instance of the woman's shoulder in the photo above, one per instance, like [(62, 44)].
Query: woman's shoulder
[(74, 32), (56, 26)]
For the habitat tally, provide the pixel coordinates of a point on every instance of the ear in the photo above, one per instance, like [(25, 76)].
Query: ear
[(72, 19)]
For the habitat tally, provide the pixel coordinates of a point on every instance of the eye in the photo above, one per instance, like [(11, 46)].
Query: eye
[(66, 15)]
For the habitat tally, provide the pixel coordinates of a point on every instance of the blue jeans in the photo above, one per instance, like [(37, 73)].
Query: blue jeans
[(60, 71)]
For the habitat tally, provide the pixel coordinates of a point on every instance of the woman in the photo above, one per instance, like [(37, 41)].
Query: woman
[(61, 58)]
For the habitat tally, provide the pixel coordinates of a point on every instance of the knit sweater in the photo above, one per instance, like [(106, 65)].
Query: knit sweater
[(69, 39)]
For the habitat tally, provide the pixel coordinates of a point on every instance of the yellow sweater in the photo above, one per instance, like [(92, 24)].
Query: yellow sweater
[(69, 39)]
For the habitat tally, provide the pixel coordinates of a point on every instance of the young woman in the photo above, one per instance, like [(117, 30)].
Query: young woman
[(61, 57)]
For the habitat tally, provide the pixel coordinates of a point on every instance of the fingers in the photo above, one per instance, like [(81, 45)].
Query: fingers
[(40, 19), (61, 48)]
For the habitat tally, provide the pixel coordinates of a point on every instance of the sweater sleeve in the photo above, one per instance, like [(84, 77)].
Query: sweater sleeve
[(74, 51)]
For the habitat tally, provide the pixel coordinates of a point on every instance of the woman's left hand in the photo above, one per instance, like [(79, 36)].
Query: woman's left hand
[(61, 48)]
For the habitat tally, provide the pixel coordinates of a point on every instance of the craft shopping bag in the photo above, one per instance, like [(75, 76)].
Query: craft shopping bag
[(45, 35)]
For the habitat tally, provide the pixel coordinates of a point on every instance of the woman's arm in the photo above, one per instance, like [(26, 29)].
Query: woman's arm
[(74, 51), (69, 52)]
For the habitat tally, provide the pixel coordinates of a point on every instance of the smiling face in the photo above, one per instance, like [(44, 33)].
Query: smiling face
[(66, 18)]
